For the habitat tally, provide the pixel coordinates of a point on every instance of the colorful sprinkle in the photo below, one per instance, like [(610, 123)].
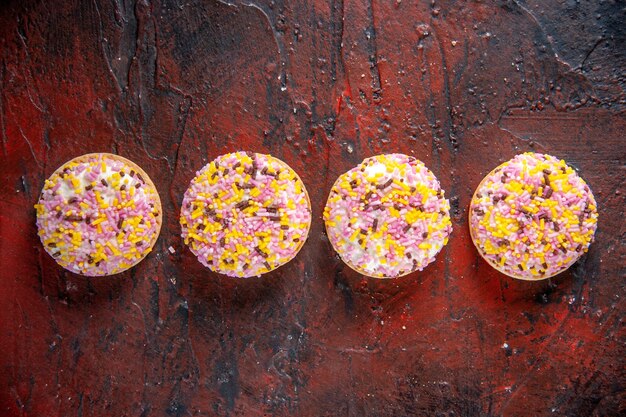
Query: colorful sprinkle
[(388, 216), (245, 214), (88, 224), (533, 216)]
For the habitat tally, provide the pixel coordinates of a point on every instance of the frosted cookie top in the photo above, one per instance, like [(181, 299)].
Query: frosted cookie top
[(532, 217), (98, 214), (245, 214), (388, 216)]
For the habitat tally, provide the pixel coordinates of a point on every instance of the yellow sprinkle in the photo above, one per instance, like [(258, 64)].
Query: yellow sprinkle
[(98, 221)]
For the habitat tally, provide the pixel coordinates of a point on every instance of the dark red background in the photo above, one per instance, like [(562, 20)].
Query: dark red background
[(463, 86)]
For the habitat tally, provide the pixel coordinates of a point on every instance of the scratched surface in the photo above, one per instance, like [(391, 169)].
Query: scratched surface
[(322, 85)]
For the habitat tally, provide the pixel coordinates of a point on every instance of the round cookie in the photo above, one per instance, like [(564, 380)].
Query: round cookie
[(245, 214), (388, 216), (532, 217), (98, 214)]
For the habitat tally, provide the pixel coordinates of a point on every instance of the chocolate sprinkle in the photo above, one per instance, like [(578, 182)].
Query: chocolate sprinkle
[(260, 252), (74, 218), (547, 192), (242, 205), (385, 185)]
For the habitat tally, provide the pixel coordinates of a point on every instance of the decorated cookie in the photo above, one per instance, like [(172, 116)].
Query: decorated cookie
[(388, 216), (245, 214), (98, 214), (532, 217)]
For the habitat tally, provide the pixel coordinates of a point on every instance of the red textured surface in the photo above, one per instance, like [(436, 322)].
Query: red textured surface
[(322, 85)]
